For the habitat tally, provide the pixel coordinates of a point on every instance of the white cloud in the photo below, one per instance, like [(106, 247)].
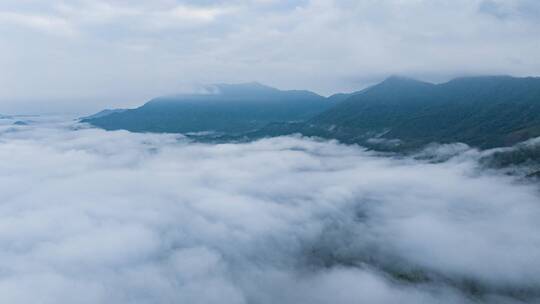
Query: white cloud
[(140, 16), (41, 23), (89, 216), (204, 14)]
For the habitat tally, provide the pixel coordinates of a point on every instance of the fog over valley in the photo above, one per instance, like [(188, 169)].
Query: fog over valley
[(93, 216)]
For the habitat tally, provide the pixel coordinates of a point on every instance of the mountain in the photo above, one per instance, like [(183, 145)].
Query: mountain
[(225, 109), (403, 113), (103, 113), (398, 114)]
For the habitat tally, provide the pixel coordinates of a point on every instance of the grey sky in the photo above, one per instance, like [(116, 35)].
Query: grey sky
[(83, 55)]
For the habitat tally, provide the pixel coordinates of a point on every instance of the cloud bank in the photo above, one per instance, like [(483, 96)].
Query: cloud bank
[(89, 216), (84, 55)]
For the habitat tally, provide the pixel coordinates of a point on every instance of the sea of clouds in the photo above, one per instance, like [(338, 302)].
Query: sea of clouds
[(90, 216)]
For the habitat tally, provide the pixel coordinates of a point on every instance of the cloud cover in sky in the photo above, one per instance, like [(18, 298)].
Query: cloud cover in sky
[(89, 216), (83, 55)]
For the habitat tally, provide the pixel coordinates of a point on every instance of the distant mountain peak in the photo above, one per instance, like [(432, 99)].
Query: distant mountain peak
[(103, 113), (481, 79), (250, 85), (400, 84), (247, 87), (256, 90), (399, 80), (242, 107), (484, 77)]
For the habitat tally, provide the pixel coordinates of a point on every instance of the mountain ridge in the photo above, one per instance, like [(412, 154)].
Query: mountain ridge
[(481, 111), (473, 110), (230, 108)]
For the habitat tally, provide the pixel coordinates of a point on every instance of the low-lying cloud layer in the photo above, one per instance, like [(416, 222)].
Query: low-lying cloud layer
[(89, 216)]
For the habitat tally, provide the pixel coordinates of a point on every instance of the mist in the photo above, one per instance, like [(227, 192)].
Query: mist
[(90, 216)]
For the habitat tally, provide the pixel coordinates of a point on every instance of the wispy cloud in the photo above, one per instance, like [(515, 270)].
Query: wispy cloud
[(42, 23), (141, 16)]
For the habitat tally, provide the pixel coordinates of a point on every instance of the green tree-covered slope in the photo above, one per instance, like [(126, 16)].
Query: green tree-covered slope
[(484, 112)]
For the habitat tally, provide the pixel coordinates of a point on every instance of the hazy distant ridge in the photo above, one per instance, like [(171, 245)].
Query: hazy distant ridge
[(230, 108), (484, 112), (397, 114)]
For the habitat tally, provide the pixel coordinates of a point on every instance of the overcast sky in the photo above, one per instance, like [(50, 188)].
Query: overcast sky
[(83, 55)]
